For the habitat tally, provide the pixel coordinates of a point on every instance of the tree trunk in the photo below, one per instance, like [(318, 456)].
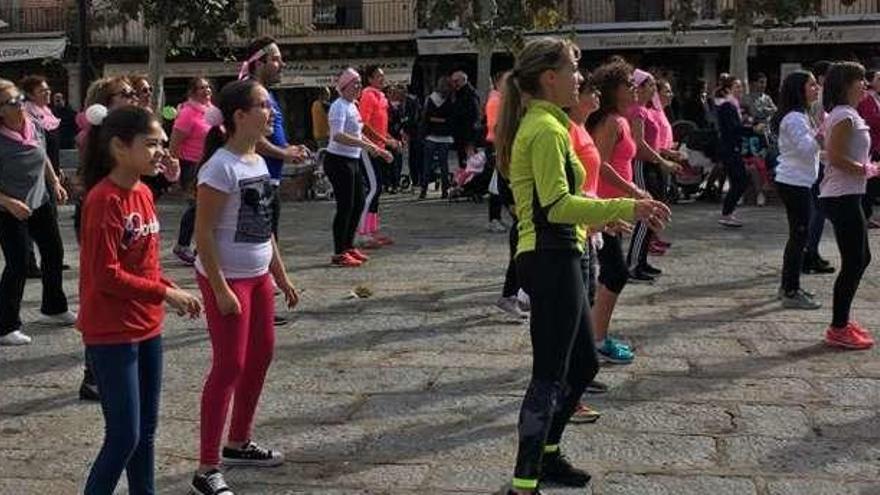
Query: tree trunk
[(156, 64), (484, 68), (84, 38), (739, 53)]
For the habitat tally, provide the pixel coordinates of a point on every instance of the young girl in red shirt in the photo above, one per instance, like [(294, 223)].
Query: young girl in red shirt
[(122, 291)]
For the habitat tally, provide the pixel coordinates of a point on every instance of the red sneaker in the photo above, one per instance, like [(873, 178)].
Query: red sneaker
[(383, 240), (357, 254), (656, 250), (847, 338), (854, 325), (345, 260), (662, 243)]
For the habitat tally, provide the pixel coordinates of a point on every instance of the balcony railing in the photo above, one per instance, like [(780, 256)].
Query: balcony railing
[(36, 19), (321, 19)]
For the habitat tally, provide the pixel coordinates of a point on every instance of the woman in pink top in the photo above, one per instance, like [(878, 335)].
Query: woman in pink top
[(188, 145), (848, 142), (649, 168), (374, 113), (617, 148)]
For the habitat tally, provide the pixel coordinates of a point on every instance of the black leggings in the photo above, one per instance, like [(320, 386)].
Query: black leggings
[(647, 176), (511, 284), (739, 181), (613, 272), (851, 232), (798, 207), (564, 356), (348, 189)]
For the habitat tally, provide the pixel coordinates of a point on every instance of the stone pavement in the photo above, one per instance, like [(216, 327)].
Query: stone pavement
[(417, 389)]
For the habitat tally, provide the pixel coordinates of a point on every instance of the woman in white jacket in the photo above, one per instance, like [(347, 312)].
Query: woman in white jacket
[(797, 171)]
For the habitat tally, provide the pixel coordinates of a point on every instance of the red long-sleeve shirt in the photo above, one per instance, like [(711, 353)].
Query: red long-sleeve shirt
[(869, 109), (121, 287)]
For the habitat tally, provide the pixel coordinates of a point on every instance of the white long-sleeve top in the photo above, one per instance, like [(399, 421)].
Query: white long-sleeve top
[(798, 151)]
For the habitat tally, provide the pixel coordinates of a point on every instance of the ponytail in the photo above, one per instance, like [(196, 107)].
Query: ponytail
[(214, 140), (508, 124)]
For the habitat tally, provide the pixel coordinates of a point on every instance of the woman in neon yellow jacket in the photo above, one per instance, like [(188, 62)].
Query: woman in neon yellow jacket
[(535, 153)]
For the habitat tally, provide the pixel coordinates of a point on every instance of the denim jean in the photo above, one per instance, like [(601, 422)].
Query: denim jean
[(436, 157)]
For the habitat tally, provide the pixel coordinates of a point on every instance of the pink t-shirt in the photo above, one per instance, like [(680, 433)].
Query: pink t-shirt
[(191, 122), (621, 159), (664, 130), (588, 154), (649, 117), (838, 182)]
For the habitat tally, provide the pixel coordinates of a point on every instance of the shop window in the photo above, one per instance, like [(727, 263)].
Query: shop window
[(340, 14)]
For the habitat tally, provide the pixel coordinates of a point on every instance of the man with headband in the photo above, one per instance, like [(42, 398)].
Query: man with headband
[(264, 64)]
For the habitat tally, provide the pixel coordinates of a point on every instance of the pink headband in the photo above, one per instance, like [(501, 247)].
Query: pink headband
[(347, 77), (243, 72), (640, 76)]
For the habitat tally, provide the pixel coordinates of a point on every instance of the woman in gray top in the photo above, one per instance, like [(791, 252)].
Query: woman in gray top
[(26, 181)]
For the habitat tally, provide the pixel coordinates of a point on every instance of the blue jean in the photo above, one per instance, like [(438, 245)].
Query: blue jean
[(436, 157), (817, 222), (129, 380)]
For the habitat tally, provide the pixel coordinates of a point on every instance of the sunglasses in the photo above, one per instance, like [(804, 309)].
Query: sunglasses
[(15, 101)]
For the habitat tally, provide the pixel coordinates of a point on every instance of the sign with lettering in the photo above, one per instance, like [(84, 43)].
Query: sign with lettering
[(13, 50)]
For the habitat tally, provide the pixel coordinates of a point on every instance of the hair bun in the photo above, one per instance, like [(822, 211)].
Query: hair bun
[(214, 117), (96, 114)]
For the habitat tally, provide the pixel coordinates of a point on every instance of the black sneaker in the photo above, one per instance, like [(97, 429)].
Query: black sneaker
[(651, 270), (640, 277), (817, 265), (88, 391), (597, 388), (210, 483), (251, 454), (557, 470), (280, 321)]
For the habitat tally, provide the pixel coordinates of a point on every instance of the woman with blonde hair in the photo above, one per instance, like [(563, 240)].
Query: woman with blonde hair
[(535, 153)]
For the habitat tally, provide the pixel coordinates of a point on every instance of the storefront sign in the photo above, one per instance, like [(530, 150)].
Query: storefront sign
[(13, 50)]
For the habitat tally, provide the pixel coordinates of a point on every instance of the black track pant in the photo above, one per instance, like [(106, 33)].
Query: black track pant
[(649, 177), (851, 232), (564, 356), (798, 203), (348, 189)]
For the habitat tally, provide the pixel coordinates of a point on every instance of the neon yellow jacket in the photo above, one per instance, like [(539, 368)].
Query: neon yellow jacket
[(546, 178)]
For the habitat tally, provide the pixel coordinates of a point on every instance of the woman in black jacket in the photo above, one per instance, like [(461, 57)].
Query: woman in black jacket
[(732, 130)]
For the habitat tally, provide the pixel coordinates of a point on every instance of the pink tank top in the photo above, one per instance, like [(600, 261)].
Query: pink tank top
[(621, 159)]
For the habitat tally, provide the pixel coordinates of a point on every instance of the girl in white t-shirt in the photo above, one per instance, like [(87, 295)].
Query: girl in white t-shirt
[(236, 256), (849, 165)]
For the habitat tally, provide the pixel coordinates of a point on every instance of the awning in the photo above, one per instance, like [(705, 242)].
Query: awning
[(13, 50)]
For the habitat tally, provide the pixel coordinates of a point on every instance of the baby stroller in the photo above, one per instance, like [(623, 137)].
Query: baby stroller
[(472, 181), (697, 146)]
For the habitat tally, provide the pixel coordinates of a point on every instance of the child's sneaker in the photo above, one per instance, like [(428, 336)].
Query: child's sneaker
[(251, 454), (210, 483), (849, 337), (615, 352)]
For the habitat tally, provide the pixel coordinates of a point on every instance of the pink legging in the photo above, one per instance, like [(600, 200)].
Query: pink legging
[(242, 351)]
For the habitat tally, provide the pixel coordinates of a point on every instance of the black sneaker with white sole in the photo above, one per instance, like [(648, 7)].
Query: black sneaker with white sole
[(251, 454), (210, 483)]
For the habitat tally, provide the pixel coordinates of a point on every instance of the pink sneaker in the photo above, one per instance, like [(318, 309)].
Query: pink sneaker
[(847, 338), (345, 260)]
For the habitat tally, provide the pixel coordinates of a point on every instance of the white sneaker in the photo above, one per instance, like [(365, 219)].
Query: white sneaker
[(15, 338), (65, 319), (525, 303), (496, 226), (761, 200), (510, 306)]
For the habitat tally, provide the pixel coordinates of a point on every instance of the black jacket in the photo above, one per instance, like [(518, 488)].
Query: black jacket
[(466, 116), (444, 111)]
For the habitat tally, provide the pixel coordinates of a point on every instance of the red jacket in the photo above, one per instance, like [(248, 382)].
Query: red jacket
[(869, 109), (374, 112), (121, 287)]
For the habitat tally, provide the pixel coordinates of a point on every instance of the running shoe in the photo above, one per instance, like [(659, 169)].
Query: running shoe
[(14, 338), (652, 270), (210, 483), (848, 337), (730, 221), (383, 240), (510, 306), (859, 329), (357, 254), (615, 352), (660, 242), (495, 226), (816, 265), (345, 260), (781, 293), (584, 414), (557, 469), (656, 250), (524, 301), (251, 454), (185, 254), (640, 277), (64, 319), (799, 299)]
